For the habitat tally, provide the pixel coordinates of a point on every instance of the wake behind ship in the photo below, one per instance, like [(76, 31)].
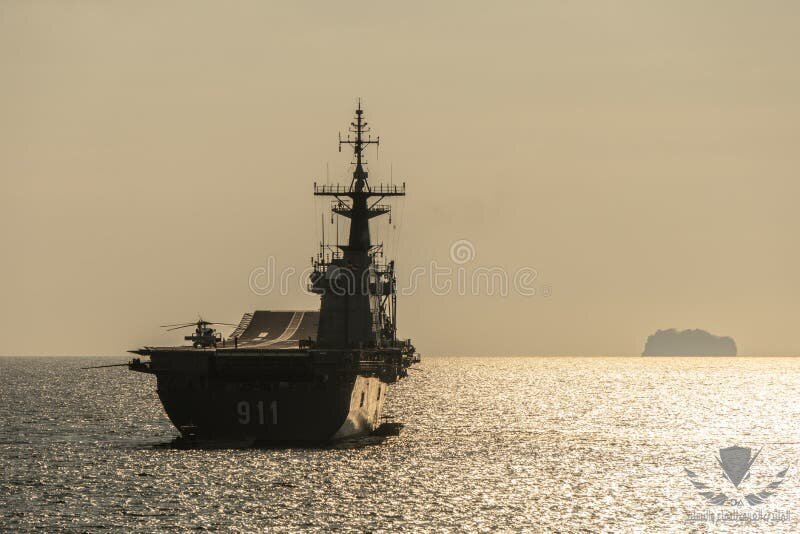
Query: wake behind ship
[(299, 376)]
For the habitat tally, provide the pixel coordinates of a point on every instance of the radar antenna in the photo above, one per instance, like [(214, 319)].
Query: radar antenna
[(356, 138)]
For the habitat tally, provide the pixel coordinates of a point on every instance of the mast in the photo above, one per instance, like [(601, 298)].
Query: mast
[(359, 128), (355, 315), (353, 201)]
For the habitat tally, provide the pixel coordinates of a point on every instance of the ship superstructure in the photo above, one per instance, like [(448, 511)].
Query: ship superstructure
[(358, 302), (299, 376)]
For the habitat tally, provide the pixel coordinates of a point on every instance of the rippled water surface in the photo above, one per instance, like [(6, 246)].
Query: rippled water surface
[(488, 444)]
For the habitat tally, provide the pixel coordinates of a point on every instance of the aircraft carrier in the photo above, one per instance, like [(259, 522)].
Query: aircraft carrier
[(299, 376)]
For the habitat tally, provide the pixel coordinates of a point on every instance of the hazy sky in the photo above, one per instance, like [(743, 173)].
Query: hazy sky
[(642, 156)]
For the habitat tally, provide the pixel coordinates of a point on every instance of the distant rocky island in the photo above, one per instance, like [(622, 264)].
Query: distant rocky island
[(688, 343)]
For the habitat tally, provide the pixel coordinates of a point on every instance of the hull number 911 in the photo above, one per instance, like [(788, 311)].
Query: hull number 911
[(261, 415)]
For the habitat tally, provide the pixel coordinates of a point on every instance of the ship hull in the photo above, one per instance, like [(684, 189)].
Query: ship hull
[(275, 396), (273, 412), (266, 395)]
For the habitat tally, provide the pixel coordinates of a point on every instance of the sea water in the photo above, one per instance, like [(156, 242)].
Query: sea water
[(491, 443)]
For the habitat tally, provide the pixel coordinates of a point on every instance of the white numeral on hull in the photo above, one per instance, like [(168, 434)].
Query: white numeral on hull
[(243, 410)]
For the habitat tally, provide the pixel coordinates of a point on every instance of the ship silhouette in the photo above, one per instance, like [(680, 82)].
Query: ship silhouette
[(300, 376)]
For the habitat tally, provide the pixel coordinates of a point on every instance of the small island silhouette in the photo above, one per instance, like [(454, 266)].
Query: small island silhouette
[(688, 343)]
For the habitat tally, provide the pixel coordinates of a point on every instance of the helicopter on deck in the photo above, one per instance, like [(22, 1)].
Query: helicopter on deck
[(204, 336)]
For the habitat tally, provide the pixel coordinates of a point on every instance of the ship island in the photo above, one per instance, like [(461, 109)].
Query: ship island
[(299, 376)]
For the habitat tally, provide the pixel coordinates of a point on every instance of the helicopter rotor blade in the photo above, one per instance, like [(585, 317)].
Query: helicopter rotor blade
[(201, 322)]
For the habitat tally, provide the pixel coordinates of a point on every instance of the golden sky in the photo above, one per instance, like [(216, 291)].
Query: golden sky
[(642, 156)]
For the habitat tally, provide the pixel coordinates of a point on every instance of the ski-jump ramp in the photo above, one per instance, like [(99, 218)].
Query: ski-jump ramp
[(275, 329)]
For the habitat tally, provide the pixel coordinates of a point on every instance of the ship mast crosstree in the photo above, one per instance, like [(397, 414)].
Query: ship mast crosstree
[(354, 201)]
